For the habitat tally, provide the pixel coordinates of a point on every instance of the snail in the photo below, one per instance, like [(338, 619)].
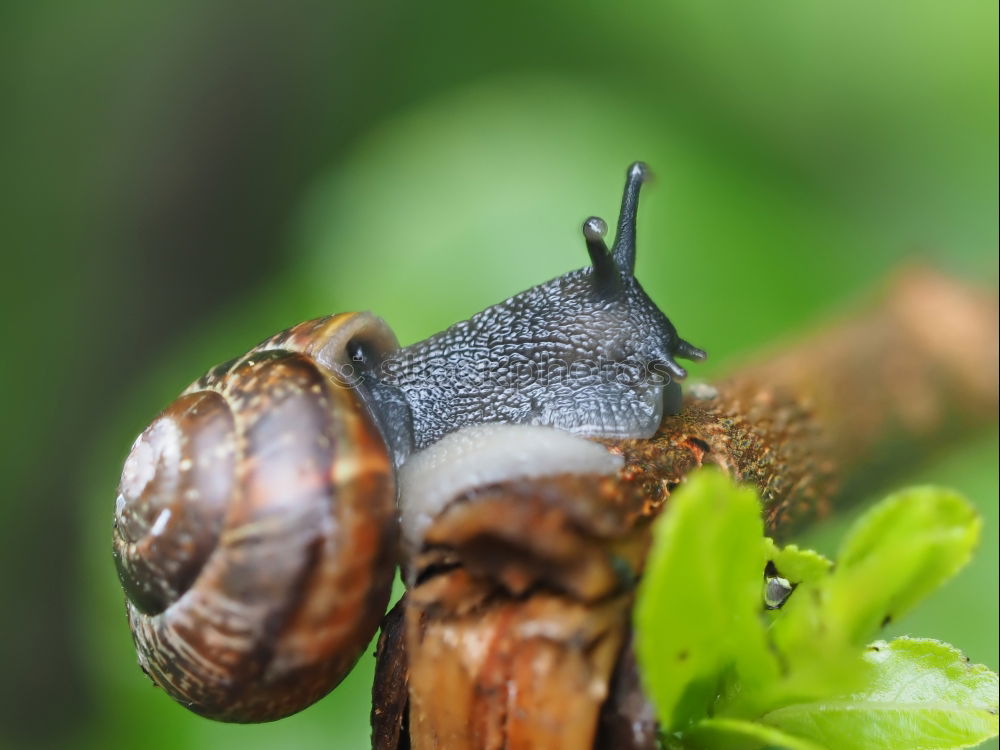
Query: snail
[(255, 531)]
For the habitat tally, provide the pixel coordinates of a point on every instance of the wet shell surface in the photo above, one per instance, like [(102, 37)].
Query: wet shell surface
[(255, 537)]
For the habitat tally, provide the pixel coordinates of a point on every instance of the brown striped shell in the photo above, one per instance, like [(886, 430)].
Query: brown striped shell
[(255, 527)]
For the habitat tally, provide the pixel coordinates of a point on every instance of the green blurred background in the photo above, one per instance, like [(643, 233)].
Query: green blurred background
[(180, 179)]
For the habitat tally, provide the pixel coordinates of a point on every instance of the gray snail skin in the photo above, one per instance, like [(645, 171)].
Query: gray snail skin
[(257, 522)]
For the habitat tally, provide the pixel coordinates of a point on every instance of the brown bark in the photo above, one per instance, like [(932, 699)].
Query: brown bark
[(523, 594), (390, 693)]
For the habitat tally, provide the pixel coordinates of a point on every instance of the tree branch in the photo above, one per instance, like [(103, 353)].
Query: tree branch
[(522, 603)]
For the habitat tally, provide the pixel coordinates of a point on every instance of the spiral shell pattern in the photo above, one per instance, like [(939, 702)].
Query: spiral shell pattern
[(255, 529)]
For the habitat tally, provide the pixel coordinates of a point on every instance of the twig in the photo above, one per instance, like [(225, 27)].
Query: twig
[(522, 605)]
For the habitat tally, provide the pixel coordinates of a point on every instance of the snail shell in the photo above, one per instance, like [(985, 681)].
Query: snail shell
[(255, 527)]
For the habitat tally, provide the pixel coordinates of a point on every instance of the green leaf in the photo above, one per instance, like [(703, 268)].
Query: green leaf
[(733, 734), (921, 694), (897, 553), (797, 565), (704, 648), (894, 555), (697, 607)]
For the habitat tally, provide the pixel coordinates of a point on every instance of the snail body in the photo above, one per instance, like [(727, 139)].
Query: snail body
[(256, 534)]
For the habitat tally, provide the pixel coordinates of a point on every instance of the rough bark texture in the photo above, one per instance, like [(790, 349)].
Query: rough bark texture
[(390, 691), (521, 609)]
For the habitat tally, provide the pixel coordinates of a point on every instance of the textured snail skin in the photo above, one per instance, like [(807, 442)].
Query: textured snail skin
[(567, 354), (256, 534), (587, 352)]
